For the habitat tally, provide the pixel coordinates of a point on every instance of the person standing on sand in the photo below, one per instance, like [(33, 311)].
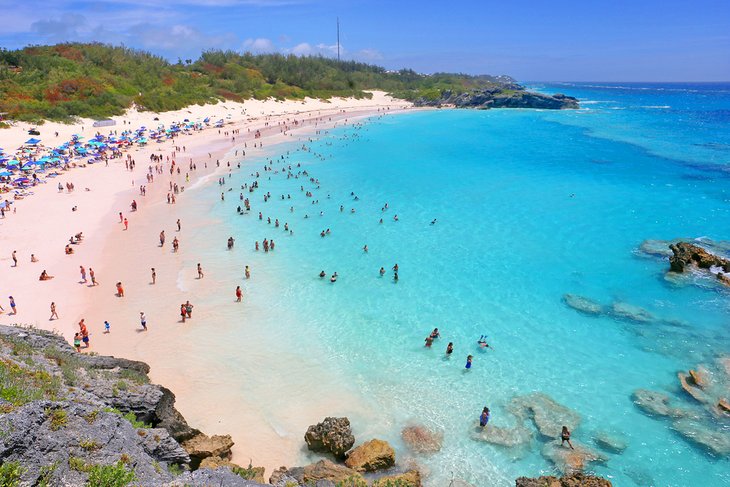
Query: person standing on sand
[(200, 271), (189, 309), (83, 273), (154, 276), (120, 290), (93, 277), (247, 273), (162, 238), (178, 224), (183, 312), (121, 218), (84, 333), (12, 305), (15, 258), (126, 224), (77, 341), (54, 313), (239, 294), (143, 320), (107, 327)]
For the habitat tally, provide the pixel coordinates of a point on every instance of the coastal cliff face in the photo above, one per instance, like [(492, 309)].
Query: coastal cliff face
[(76, 419), (504, 96)]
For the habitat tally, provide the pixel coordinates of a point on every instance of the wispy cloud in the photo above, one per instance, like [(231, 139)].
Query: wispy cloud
[(259, 46)]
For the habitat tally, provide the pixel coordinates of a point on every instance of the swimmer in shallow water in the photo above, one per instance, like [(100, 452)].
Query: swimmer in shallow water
[(322, 274), (468, 362), (334, 277), (450, 348), (382, 271)]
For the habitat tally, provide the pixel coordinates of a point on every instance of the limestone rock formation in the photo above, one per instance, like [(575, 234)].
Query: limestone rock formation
[(371, 456), (548, 415), (713, 439), (583, 304), (686, 254), (632, 312), (609, 442), (420, 439), (507, 95), (323, 470), (571, 480), (203, 446), (333, 435), (509, 437), (656, 404), (569, 460), (412, 478)]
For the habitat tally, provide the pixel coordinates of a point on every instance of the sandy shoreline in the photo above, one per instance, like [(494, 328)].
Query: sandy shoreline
[(44, 222)]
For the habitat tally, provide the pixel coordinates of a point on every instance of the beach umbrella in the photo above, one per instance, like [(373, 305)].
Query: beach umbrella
[(21, 181), (32, 141), (13, 163), (4, 174)]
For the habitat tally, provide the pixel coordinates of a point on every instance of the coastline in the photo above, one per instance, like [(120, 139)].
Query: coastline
[(42, 226)]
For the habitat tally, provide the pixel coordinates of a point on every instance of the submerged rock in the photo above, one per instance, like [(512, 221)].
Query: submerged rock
[(583, 304), (549, 416), (333, 435), (710, 438), (421, 439), (371, 456), (571, 480), (691, 388), (509, 437), (569, 460), (656, 404), (609, 442), (631, 312)]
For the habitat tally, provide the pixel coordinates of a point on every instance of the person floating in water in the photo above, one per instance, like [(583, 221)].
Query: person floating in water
[(565, 436), (468, 362), (482, 342), (484, 417), (433, 222)]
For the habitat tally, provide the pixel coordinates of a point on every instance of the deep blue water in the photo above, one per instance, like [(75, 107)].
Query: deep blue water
[(530, 205)]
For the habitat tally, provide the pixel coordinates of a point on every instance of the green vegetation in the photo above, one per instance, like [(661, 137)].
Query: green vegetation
[(89, 445), (174, 469), (130, 416), (58, 418), (45, 477), (134, 376), (248, 473), (20, 384), (95, 80), (10, 473), (78, 464), (116, 475)]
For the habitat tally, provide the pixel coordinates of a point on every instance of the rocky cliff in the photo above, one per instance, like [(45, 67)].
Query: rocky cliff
[(508, 95), (77, 419)]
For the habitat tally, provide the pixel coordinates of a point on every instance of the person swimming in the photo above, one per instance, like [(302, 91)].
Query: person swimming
[(334, 277), (322, 274), (382, 271), (482, 342)]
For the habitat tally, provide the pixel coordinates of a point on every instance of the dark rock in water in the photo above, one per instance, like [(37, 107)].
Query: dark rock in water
[(333, 435), (510, 95), (582, 304), (572, 480), (421, 439), (569, 460), (371, 456), (639, 476), (709, 437), (609, 442), (656, 404), (549, 416), (687, 254)]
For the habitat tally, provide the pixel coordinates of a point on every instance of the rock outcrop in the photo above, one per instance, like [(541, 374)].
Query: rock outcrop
[(685, 254), (570, 460), (203, 446), (371, 456), (548, 415), (609, 442), (509, 437), (323, 470), (510, 95), (333, 435), (420, 439), (72, 415), (572, 480), (583, 304), (412, 478), (656, 404)]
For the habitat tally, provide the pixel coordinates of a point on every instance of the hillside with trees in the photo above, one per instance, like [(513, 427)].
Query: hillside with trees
[(64, 81)]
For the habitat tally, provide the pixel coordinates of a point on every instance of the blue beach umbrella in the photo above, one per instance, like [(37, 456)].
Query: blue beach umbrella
[(4, 174), (32, 141)]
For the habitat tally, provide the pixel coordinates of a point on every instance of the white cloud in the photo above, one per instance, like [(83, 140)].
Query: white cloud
[(368, 55), (303, 49), (259, 45)]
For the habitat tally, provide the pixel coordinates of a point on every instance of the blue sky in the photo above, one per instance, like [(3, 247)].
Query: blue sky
[(557, 40)]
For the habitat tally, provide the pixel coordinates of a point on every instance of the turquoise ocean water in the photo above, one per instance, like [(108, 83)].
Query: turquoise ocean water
[(530, 205)]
